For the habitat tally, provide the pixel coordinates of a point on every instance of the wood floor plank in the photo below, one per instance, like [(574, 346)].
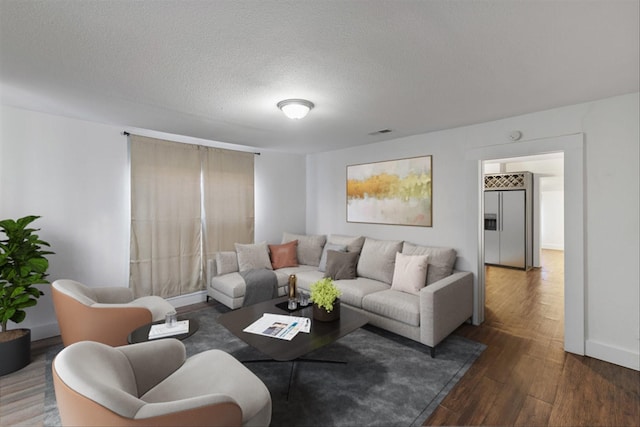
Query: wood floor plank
[(524, 334), (534, 412), (479, 402)]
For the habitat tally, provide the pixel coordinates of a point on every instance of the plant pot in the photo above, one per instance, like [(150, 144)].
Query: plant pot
[(322, 315), (15, 351)]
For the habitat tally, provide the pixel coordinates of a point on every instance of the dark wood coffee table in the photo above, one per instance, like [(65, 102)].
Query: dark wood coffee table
[(322, 333)]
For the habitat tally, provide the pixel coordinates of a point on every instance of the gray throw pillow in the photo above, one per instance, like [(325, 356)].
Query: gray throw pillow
[(341, 265), (329, 247)]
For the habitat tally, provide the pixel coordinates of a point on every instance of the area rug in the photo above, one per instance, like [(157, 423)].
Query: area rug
[(387, 381)]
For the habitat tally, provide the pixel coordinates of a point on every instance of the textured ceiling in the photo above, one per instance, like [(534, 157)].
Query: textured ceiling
[(216, 69)]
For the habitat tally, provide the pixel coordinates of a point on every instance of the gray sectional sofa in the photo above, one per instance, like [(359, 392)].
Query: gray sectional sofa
[(384, 279)]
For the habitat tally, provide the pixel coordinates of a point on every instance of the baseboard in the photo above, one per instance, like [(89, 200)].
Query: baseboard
[(552, 246), (188, 299), (47, 330), (611, 354)]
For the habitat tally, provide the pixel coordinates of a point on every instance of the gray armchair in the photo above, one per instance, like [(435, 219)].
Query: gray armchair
[(153, 383)]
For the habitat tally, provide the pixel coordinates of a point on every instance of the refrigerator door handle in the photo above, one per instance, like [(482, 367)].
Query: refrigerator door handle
[(500, 211)]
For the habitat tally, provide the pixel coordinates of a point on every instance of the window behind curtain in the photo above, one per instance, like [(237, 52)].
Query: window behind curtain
[(174, 187), (228, 199)]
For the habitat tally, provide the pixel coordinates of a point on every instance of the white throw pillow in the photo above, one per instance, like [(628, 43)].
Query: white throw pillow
[(253, 256), (410, 273)]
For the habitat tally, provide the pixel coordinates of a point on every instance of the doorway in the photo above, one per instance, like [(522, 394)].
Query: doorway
[(574, 277), (530, 302)]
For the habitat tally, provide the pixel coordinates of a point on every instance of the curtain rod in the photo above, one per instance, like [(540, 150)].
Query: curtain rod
[(125, 133)]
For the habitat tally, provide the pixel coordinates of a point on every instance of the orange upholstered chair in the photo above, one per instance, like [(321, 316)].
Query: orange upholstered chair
[(154, 384), (104, 314)]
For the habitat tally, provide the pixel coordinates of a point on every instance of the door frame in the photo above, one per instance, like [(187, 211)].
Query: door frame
[(574, 207)]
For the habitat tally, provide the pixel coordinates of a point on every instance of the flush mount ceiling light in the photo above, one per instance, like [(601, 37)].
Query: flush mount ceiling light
[(295, 108)]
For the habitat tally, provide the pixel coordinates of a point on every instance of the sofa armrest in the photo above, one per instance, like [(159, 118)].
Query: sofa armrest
[(212, 270), (445, 305), (149, 371)]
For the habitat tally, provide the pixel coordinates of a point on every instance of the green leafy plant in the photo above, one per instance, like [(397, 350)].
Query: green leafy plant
[(324, 293), (22, 265)]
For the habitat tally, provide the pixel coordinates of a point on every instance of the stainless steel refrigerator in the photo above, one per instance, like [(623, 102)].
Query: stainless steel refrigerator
[(508, 222)]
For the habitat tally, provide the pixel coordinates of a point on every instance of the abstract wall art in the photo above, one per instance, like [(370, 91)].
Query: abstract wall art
[(394, 192)]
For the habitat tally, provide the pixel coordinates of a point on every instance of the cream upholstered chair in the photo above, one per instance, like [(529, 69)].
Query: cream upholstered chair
[(153, 383), (105, 314)]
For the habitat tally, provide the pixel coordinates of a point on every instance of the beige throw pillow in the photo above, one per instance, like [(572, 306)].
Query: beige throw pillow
[(309, 248), (226, 262), (410, 273), (253, 256)]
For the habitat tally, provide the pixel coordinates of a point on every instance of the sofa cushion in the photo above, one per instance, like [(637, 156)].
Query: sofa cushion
[(284, 255), (226, 262), (441, 260), (283, 273), (306, 278), (309, 248), (253, 256), (391, 304), (353, 243), (341, 265), (378, 258), (410, 273), (353, 291), (329, 247)]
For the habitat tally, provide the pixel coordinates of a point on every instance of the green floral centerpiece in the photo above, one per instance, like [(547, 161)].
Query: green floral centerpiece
[(326, 303)]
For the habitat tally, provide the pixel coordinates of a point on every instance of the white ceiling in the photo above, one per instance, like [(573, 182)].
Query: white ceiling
[(216, 69)]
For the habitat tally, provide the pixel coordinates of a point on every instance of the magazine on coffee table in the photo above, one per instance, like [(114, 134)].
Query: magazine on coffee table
[(279, 326), (161, 330)]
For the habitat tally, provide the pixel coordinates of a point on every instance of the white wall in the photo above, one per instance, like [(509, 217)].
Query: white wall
[(552, 220), (280, 187), (75, 175), (612, 308)]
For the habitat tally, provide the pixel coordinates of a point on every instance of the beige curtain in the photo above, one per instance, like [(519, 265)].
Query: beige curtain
[(186, 200), (228, 199), (166, 223)]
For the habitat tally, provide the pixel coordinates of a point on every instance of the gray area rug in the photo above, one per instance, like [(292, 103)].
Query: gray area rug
[(388, 380)]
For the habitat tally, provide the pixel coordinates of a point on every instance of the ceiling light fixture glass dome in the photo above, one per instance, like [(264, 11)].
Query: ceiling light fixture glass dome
[(295, 108)]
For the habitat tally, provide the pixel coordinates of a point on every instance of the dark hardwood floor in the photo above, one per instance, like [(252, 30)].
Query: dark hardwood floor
[(524, 377)]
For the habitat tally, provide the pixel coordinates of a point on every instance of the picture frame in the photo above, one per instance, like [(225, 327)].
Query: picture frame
[(393, 192)]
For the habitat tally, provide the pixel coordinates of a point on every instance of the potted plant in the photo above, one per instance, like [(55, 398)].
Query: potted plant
[(326, 302), (22, 266)]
